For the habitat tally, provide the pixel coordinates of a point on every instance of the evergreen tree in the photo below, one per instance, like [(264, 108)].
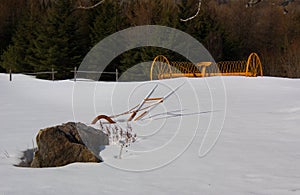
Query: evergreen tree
[(15, 57), (10, 15), (205, 27), (56, 44), (108, 19), (155, 12), (84, 31), (2, 70)]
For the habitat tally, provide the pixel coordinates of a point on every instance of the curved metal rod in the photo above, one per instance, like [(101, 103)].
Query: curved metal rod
[(99, 117)]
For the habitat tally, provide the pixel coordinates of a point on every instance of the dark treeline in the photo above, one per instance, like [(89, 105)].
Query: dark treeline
[(37, 35)]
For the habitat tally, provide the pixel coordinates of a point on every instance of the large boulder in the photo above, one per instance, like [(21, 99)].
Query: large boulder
[(68, 143)]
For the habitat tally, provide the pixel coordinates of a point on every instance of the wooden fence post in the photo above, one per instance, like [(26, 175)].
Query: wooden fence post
[(117, 75), (75, 73), (52, 74), (10, 75)]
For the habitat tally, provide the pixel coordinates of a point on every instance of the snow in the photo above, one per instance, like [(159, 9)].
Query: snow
[(219, 135)]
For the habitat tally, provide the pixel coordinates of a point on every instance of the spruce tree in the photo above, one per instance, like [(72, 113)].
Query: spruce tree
[(56, 44), (108, 19), (15, 57)]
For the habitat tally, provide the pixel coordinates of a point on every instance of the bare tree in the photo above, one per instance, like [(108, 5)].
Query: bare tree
[(102, 1), (283, 4), (194, 16), (89, 7), (250, 3)]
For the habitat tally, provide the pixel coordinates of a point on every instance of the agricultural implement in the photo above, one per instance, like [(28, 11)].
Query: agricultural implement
[(162, 68), (140, 110), (124, 137)]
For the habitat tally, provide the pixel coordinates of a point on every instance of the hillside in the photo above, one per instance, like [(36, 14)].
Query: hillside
[(218, 135)]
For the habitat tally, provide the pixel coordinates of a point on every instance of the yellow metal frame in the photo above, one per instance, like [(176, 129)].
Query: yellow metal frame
[(162, 69), (254, 66)]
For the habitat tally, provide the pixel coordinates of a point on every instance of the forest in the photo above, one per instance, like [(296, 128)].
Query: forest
[(38, 35)]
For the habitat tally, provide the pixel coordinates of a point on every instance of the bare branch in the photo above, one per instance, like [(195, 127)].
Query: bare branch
[(198, 11), (90, 7), (252, 3)]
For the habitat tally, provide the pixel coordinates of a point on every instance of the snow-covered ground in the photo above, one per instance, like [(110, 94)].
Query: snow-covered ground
[(230, 135)]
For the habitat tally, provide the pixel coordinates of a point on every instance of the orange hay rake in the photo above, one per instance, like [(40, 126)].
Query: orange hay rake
[(162, 68)]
